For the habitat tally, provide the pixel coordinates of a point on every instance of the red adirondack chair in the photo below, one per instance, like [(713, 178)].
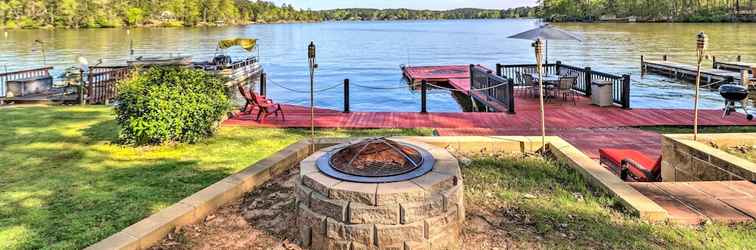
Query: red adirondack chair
[(265, 106), (631, 165)]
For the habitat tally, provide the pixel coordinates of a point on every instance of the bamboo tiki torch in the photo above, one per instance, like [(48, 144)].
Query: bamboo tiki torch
[(313, 66), (701, 43), (539, 45)]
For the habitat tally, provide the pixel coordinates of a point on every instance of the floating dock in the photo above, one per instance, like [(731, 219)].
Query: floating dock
[(736, 66), (709, 77)]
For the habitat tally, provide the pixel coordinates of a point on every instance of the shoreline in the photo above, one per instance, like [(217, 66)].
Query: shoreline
[(148, 26)]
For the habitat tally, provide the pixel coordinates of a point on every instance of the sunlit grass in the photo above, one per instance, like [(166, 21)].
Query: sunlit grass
[(544, 200), (66, 184)]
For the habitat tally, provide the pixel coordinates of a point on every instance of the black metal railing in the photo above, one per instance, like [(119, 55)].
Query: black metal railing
[(485, 84), (101, 85), (586, 76)]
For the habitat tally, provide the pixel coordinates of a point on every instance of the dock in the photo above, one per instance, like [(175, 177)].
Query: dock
[(467, 80), (712, 78), (736, 66)]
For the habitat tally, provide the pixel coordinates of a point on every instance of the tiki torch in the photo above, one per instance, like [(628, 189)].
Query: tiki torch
[(701, 43), (313, 66), (539, 45)]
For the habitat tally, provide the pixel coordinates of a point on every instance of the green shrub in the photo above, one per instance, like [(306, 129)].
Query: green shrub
[(170, 105), (27, 23)]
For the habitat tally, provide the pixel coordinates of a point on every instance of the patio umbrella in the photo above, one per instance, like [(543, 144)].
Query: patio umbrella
[(547, 32)]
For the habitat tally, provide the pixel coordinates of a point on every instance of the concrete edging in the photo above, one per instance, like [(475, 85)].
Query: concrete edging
[(592, 170), (196, 207)]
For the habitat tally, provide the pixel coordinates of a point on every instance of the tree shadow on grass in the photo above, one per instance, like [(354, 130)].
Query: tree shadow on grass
[(76, 212)]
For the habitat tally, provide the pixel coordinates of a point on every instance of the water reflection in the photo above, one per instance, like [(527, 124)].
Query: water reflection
[(369, 53)]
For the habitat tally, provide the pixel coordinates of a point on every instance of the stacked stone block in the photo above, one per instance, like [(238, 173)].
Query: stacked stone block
[(422, 213)]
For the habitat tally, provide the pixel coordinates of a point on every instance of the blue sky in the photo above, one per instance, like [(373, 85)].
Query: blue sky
[(411, 4)]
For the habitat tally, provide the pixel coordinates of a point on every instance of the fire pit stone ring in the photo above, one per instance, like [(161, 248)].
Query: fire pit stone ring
[(423, 210)]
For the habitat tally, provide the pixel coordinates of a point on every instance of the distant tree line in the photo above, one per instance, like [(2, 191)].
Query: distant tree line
[(115, 13), (408, 14), (647, 10), (119, 13)]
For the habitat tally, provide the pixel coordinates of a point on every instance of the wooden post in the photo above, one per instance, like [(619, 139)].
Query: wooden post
[(263, 83), (625, 91), (423, 97), (346, 95), (739, 58), (643, 65), (558, 67), (81, 87), (511, 99), (499, 68), (714, 62), (588, 80), (664, 57)]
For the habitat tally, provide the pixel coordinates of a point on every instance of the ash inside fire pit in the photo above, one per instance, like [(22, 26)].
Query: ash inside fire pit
[(376, 157)]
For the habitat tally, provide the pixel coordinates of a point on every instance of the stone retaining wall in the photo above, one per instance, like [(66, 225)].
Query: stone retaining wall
[(687, 160)]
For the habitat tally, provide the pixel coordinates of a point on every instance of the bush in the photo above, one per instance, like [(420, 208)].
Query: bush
[(170, 105)]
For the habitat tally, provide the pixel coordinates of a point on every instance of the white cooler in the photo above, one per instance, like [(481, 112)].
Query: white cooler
[(601, 93)]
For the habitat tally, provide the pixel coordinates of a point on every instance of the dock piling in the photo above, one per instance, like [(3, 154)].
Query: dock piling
[(346, 96), (625, 91), (499, 69), (263, 83), (643, 65), (423, 97), (558, 67), (739, 58), (588, 80), (664, 57)]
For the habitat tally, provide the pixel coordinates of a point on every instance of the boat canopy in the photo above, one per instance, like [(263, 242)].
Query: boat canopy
[(247, 44)]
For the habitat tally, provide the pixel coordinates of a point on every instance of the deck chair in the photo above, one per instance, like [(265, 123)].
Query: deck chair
[(631, 165), (530, 86), (566, 83), (266, 107)]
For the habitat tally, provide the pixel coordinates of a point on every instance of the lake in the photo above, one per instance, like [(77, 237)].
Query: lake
[(370, 54)]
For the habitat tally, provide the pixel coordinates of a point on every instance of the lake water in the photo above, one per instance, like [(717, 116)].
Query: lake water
[(370, 54)]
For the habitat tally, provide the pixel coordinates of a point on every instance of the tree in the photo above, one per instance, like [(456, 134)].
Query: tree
[(134, 16)]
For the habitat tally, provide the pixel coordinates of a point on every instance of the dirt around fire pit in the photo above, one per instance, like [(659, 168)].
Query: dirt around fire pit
[(512, 202), (263, 219)]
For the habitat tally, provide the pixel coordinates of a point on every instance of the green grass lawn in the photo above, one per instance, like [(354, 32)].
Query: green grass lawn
[(65, 184), (544, 204)]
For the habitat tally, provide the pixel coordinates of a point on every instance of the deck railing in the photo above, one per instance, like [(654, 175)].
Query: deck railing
[(586, 76), (101, 86), (244, 63), (15, 75), (484, 83)]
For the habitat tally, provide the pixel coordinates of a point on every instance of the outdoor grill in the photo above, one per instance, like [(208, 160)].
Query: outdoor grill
[(733, 94), (380, 193)]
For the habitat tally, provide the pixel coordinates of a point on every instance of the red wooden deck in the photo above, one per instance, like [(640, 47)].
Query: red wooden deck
[(586, 126), (437, 73)]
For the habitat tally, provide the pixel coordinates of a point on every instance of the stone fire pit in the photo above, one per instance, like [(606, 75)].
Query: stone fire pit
[(380, 193)]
